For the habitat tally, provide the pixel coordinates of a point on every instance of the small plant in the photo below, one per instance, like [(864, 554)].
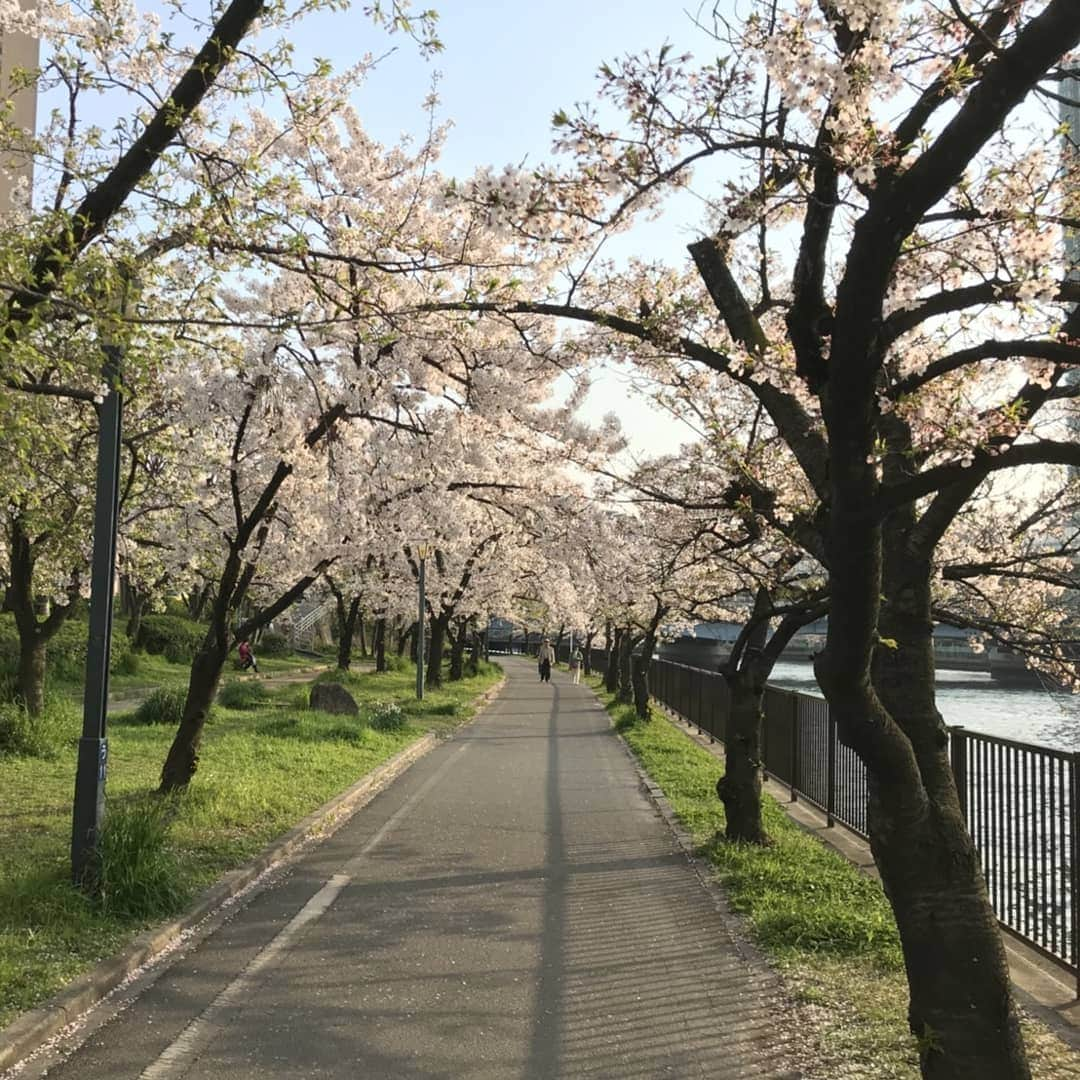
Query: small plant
[(445, 708), (136, 874), (164, 706), (176, 638), (242, 695), (397, 663), (127, 663), (350, 733), (44, 736), (387, 716), (272, 644)]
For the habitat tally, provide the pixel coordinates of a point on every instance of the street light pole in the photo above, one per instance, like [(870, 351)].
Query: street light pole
[(89, 805)]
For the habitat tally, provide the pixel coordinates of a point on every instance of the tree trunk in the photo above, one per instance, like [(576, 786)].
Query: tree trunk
[(961, 1005), (347, 619), (457, 653), (363, 633), (405, 634), (137, 609), (641, 676), (183, 757), (197, 601), (476, 651), (435, 655), (624, 692), (961, 1009), (34, 633), (379, 643), (587, 654), (739, 788), (31, 674), (611, 676)]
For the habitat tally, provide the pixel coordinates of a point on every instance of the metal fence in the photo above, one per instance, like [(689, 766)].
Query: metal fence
[(1021, 802)]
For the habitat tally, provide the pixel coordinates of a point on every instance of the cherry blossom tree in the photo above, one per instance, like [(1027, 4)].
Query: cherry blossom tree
[(879, 273)]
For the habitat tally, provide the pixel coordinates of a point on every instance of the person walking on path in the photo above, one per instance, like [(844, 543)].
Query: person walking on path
[(247, 657), (546, 658), (576, 659)]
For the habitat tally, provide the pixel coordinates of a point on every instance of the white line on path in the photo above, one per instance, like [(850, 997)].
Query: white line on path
[(214, 1019)]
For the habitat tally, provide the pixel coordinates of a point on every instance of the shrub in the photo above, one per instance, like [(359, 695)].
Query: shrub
[(272, 644), (44, 736), (397, 663), (164, 706), (136, 874), (387, 716), (177, 639), (127, 664), (350, 733), (242, 695), (65, 656)]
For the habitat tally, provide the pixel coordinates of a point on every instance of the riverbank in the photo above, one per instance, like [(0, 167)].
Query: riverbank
[(265, 764)]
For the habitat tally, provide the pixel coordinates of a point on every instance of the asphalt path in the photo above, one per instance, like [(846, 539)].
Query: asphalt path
[(512, 907)]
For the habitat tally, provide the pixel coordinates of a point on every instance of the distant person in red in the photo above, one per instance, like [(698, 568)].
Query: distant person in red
[(247, 657)]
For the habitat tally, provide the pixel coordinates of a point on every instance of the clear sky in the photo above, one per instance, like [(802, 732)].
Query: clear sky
[(504, 70)]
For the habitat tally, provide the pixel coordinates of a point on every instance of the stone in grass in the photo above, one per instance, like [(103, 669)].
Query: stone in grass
[(333, 698)]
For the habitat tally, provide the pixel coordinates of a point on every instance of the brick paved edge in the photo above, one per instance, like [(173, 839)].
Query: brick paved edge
[(31, 1030)]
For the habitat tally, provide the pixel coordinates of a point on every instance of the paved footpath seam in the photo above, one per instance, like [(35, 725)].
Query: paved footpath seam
[(513, 906)]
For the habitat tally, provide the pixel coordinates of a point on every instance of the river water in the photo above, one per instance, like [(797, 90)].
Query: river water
[(973, 699)]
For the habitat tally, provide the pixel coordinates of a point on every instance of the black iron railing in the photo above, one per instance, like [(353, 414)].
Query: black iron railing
[(1021, 801)]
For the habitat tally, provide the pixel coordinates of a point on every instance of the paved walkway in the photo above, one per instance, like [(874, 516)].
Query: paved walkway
[(512, 907)]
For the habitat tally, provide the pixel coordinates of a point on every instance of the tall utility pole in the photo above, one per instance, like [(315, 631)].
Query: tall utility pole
[(18, 53), (88, 810)]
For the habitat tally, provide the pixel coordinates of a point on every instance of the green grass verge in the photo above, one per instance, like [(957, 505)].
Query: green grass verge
[(827, 927), (262, 769), (155, 671)]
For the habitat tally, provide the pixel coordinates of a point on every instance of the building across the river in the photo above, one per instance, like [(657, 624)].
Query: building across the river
[(711, 643)]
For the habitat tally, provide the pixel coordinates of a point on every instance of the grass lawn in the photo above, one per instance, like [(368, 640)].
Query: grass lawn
[(262, 769), (826, 926)]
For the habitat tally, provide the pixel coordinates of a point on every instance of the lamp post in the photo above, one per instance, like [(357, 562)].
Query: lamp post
[(423, 549), (89, 804)]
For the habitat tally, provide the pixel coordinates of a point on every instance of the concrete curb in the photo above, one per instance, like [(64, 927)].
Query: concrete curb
[(30, 1031)]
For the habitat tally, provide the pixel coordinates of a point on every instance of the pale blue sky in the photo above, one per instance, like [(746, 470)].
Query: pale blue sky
[(505, 69)]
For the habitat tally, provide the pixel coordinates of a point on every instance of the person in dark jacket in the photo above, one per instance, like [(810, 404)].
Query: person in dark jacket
[(546, 659)]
